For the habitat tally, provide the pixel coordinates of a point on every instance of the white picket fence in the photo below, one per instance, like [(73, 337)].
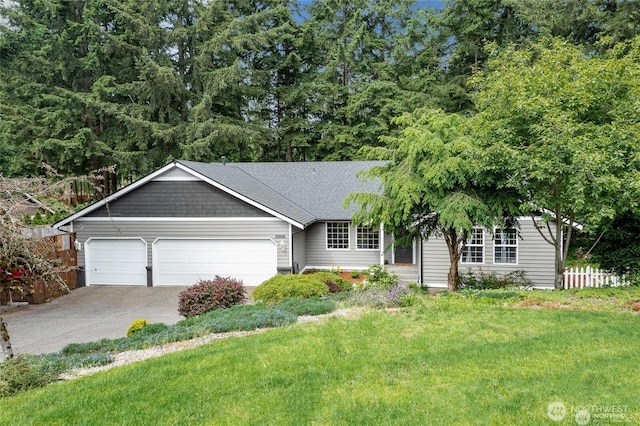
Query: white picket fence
[(591, 277)]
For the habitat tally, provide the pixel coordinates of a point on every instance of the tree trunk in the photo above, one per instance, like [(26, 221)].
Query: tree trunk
[(558, 282), (559, 278), (452, 277), (455, 251), (5, 341)]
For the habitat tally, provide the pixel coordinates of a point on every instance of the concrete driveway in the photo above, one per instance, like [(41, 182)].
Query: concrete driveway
[(87, 314)]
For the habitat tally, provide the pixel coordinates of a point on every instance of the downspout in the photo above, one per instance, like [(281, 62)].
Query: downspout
[(291, 250)]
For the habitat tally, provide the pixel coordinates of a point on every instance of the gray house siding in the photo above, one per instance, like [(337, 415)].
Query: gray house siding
[(178, 199), (535, 257), (150, 230), (299, 249), (318, 256)]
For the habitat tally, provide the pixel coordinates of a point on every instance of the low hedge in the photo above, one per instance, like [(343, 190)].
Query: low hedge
[(311, 306), (241, 317), (282, 287)]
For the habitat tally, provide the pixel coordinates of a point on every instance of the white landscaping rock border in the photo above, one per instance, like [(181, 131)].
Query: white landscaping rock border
[(128, 357)]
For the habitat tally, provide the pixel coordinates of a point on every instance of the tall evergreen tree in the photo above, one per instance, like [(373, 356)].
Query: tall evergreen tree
[(364, 77), (85, 84), (229, 89)]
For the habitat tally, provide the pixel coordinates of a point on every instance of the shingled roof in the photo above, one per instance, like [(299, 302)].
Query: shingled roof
[(301, 193), (304, 191)]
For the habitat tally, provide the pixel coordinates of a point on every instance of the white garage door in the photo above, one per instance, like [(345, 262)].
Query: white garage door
[(116, 262), (185, 262)]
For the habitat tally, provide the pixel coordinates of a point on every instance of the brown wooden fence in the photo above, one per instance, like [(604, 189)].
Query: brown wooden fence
[(42, 290)]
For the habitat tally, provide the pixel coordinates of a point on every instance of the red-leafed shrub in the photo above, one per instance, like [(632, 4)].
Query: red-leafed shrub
[(333, 287), (208, 295)]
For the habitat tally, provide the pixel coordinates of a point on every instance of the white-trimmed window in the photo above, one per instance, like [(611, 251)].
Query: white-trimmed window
[(337, 235), (367, 238), (474, 248), (505, 246)]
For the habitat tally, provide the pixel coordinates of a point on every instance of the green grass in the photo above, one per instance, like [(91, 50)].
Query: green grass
[(610, 299), (447, 360)]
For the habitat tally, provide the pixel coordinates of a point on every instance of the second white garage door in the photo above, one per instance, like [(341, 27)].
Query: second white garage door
[(185, 262)]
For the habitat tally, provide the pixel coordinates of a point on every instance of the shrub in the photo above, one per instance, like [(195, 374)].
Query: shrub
[(401, 295), (248, 317), (311, 306), (282, 287), (136, 326), (154, 328), (208, 295), (355, 274), (373, 297), (21, 373), (346, 285), (491, 280), (332, 280), (333, 287), (377, 276)]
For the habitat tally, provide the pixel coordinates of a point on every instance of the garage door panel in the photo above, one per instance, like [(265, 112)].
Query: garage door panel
[(116, 262), (185, 262)]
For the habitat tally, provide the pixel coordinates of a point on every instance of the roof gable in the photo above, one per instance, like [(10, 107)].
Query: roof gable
[(299, 193), (178, 198)]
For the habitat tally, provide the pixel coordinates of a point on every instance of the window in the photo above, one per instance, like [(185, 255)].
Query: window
[(337, 235), (505, 246), (474, 248), (368, 238)]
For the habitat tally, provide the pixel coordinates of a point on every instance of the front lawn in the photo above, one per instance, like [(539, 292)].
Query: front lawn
[(446, 360)]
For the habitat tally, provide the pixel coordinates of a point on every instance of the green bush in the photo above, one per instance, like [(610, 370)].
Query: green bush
[(311, 306), (282, 287), (136, 325), (491, 280), (208, 295), (23, 372), (154, 328), (355, 274), (377, 277)]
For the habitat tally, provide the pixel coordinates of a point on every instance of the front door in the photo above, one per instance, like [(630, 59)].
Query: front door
[(403, 254)]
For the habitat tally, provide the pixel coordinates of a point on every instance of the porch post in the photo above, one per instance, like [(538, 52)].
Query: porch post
[(381, 244), (420, 254)]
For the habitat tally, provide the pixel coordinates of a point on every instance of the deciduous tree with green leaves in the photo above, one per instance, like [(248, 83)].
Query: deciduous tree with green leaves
[(432, 184), (563, 127)]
